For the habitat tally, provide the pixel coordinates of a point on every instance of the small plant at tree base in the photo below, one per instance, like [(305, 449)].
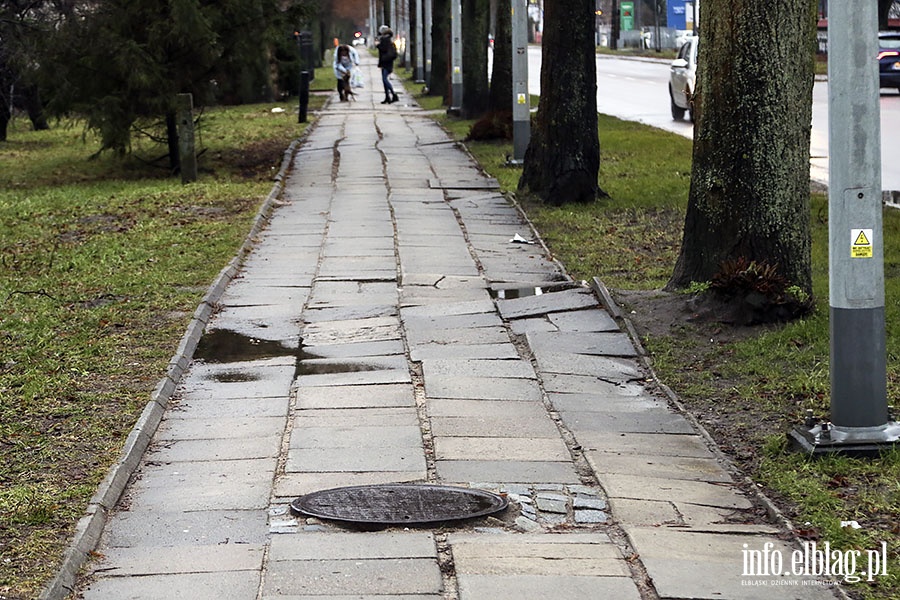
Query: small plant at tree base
[(759, 293), (697, 287)]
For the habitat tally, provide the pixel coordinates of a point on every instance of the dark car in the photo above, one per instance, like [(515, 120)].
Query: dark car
[(889, 59)]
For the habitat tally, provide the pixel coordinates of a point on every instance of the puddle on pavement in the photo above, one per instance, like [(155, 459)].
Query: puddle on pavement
[(226, 346), (524, 292), (223, 345)]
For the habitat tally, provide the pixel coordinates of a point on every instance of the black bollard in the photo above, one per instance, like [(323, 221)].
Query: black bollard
[(304, 96)]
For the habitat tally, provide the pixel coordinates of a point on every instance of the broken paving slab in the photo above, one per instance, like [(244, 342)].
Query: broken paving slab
[(548, 302), (590, 320), (468, 321), (649, 465), (656, 513), (309, 364), (525, 326), (587, 402), (356, 396), (211, 450), (570, 363), (355, 311), (591, 384), (457, 336), (469, 307), (674, 557), (351, 330), (660, 420), (478, 367), (482, 388), (674, 490), (638, 443), (598, 343), (158, 560)]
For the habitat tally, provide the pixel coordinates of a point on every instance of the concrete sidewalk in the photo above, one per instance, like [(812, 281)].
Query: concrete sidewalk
[(382, 331)]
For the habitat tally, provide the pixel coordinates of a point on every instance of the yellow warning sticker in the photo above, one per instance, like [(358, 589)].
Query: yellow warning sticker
[(520, 98), (860, 243)]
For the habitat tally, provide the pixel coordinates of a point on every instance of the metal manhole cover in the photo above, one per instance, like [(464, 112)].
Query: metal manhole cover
[(399, 504)]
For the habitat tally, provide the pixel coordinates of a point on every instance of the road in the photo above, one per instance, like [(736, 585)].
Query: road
[(636, 90)]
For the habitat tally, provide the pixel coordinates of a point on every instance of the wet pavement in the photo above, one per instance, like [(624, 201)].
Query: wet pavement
[(386, 329)]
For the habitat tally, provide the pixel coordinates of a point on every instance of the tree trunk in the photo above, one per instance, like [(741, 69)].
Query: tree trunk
[(476, 93), (501, 75), (172, 137), (440, 49), (749, 197), (563, 157), (32, 101)]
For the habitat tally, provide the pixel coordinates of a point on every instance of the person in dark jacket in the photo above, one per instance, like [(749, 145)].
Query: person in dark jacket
[(387, 54)]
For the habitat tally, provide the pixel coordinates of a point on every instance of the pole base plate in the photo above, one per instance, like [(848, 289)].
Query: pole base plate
[(825, 438)]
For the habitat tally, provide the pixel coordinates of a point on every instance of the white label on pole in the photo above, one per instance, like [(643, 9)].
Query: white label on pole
[(860, 243)]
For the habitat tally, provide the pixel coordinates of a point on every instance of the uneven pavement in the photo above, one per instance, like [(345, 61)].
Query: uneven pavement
[(385, 328)]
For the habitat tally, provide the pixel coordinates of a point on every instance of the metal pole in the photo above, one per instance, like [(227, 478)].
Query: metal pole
[(521, 105), (859, 412), (373, 25), (456, 66), (420, 43), (427, 36)]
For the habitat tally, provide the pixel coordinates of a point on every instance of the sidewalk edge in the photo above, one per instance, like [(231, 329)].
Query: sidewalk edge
[(90, 526)]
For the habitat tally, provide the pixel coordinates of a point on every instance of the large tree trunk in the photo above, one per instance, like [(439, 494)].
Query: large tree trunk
[(563, 157), (501, 74), (476, 93), (440, 50), (749, 197)]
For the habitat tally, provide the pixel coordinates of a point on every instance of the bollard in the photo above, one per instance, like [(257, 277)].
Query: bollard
[(304, 96), (186, 149)]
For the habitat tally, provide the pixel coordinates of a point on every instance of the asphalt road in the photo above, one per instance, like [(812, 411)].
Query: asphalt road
[(636, 90)]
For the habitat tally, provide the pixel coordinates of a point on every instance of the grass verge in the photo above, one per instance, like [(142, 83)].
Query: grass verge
[(748, 386), (103, 263)]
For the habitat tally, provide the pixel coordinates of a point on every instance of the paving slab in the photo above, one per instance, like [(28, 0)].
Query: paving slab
[(355, 378), (163, 526), (503, 368), (356, 417), (403, 436), (159, 560), (292, 485), (190, 407), (591, 384), (545, 303), (310, 364), (611, 369), (326, 460), (482, 388), (486, 409), (649, 465), (541, 587), (440, 350), (355, 350), (483, 305), (372, 577), (354, 311), (219, 429), (639, 443), (460, 336), (599, 343), (500, 448), (653, 420), (356, 396), (619, 485), (583, 321), (213, 450), (506, 471), (587, 402), (506, 426), (236, 585), (357, 545)]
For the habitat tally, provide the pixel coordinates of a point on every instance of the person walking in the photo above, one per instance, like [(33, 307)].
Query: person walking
[(387, 54), (345, 60)]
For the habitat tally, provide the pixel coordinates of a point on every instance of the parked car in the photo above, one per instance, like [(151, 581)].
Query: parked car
[(683, 78), (889, 59)]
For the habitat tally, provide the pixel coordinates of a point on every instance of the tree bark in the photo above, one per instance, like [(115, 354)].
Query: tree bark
[(476, 93), (749, 196), (563, 156), (501, 74), (440, 50)]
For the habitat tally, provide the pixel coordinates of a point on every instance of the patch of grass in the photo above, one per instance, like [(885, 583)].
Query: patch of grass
[(747, 386), (102, 263)]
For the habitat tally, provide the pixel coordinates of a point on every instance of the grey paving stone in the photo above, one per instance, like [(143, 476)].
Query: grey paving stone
[(487, 409), (583, 320), (540, 587), (457, 336), (349, 546), (438, 351), (591, 516), (641, 443), (404, 436), (355, 378), (477, 368), (658, 420), (484, 305), (220, 429), (318, 460), (589, 502), (520, 449), (292, 485), (443, 281), (309, 365), (673, 490), (167, 560), (711, 519), (191, 407), (215, 450), (452, 321), (355, 350), (355, 330), (222, 495), (611, 369), (241, 293), (162, 526), (673, 558), (337, 313), (551, 502), (493, 427), (530, 306), (237, 585), (356, 396), (650, 465), (587, 384), (414, 295), (524, 326), (599, 343), (356, 417), (586, 402), (467, 471), (269, 378), (335, 577), (482, 388)]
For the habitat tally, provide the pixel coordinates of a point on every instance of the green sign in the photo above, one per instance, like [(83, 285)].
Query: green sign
[(626, 10)]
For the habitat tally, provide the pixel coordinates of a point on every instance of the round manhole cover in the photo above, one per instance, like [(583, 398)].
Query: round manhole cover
[(399, 504)]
